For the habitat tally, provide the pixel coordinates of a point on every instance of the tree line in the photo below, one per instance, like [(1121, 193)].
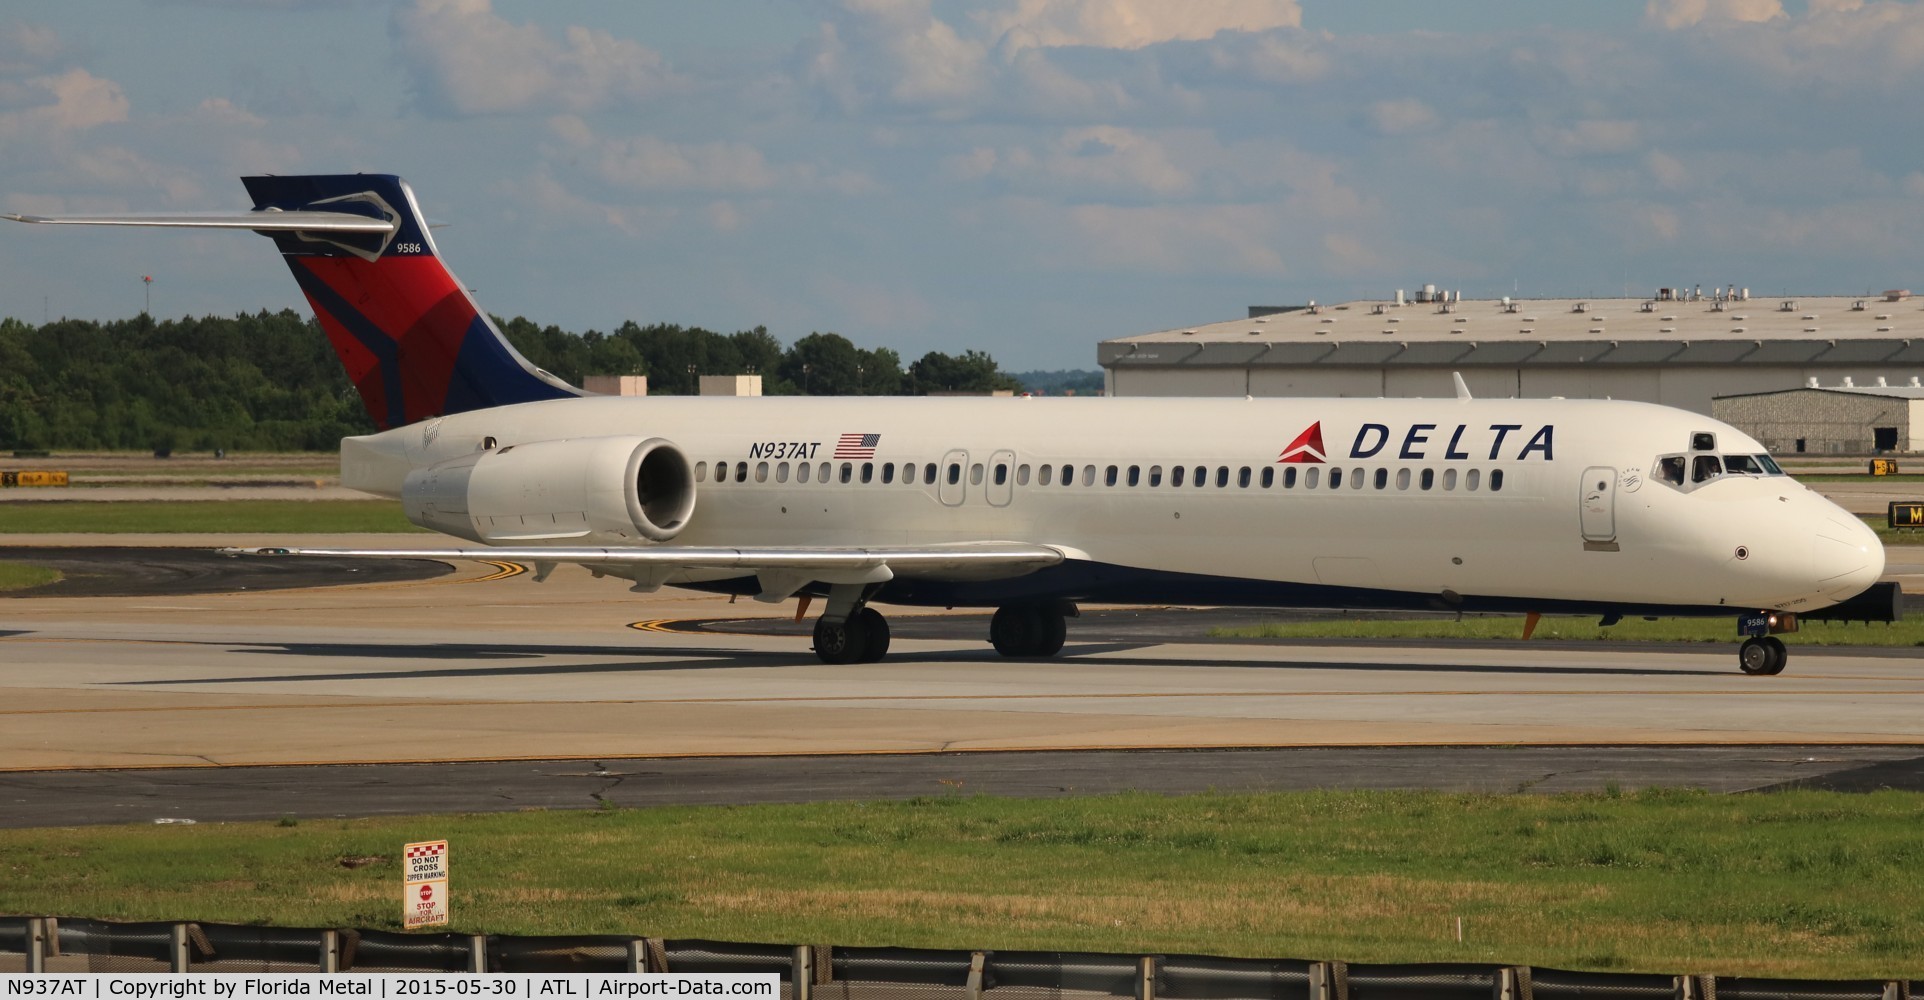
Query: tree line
[(271, 382)]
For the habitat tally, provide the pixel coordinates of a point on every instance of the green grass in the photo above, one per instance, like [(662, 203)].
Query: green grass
[(20, 576), (1856, 477), (175, 516), (1880, 523), (1909, 632), (1791, 884)]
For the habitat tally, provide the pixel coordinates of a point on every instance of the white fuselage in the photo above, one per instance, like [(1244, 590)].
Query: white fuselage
[(1405, 507)]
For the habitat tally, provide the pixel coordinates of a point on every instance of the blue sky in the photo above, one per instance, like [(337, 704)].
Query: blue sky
[(1024, 177)]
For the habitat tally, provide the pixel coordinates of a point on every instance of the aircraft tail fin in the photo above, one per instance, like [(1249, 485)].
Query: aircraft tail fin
[(412, 340)]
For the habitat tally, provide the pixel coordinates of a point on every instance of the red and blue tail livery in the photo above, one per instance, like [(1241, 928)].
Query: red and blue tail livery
[(413, 342)]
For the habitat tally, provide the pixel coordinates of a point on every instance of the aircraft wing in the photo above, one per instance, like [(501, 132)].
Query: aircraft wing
[(780, 570)]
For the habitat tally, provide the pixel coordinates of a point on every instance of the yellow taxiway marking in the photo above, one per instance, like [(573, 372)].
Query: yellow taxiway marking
[(895, 699)]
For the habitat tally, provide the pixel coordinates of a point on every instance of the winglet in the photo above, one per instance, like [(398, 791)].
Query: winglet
[(1462, 389)]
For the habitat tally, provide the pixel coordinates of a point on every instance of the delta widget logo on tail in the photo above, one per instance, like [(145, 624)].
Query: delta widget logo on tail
[(1307, 449)]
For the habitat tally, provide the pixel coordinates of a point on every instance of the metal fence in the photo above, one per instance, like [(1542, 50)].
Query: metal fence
[(821, 972)]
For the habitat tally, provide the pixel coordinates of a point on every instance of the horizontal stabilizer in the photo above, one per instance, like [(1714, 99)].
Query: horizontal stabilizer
[(268, 221)]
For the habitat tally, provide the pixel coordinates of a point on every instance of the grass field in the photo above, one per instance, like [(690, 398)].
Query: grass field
[(1792, 884), (1909, 632), (20, 576), (175, 516)]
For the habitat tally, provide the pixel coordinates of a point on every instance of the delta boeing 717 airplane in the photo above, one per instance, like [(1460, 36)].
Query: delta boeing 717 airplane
[(1034, 506)]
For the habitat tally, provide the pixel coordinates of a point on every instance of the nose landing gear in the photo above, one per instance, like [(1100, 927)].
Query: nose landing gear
[(1762, 655)]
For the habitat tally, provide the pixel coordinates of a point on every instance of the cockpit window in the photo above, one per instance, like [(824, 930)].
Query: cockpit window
[(1670, 469), (1704, 468), (1770, 466), (1742, 465)]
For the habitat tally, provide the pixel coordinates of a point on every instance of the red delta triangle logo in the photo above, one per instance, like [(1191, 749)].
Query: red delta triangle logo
[(1307, 449)]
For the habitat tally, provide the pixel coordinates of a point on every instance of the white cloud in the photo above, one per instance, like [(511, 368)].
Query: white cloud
[(1133, 24), (68, 102), (468, 60), (1399, 116), (1675, 14), (1667, 170), (1101, 159), (897, 50), (220, 110), (1593, 137)]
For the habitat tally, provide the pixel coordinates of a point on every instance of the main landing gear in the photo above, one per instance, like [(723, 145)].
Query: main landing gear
[(1029, 630), (1762, 655), (850, 631)]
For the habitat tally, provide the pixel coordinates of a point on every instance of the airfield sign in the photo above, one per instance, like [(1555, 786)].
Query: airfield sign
[(424, 885)]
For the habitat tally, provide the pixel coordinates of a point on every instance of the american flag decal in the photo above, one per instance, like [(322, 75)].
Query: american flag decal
[(857, 445)]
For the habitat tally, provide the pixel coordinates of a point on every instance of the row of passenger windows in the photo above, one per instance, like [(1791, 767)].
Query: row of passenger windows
[(1267, 477)]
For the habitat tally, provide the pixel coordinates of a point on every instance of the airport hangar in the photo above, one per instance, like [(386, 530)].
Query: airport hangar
[(1677, 347)]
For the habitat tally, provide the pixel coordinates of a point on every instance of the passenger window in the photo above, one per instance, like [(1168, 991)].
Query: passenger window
[(908, 473), (1109, 476), (1242, 477), (1470, 480), (1402, 479), (888, 473), (1289, 478), (955, 473), (1704, 468), (721, 472), (741, 472), (1449, 479), (848, 472), (1382, 478), (1068, 475), (1044, 474), (801, 472), (975, 474), (1670, 469), (781, 472), (1429, 479), (1496, 480), (821, 473), (868, 472), (1001, 473), (1335, 478), (1135, 475), (1356, 478), (761, 472), (1222, 476), (1155, 476), (928, 472), (701, 472), (1201, 478), (1309, 478), (1022, 475), (1088, 475), (1269, 476), (1175, 475)]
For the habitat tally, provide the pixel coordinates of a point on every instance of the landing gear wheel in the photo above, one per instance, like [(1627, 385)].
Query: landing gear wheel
[(1762, 655), (1027, 630), (862, 638), (874, 630), (838, 642)]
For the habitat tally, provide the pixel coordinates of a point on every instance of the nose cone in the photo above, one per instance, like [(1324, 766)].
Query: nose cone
[(1847, 556)]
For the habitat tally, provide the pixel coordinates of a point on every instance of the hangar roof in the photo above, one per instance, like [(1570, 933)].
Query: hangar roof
[(1672, 331)]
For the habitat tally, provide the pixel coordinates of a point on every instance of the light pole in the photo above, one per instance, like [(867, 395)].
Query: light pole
[(804, 378), (147, 290)]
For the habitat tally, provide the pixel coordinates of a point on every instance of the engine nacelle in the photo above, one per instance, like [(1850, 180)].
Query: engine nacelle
[(588, 490)]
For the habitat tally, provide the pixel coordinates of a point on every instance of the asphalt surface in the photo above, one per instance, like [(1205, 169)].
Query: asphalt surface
[(143, 571), (77, 798)]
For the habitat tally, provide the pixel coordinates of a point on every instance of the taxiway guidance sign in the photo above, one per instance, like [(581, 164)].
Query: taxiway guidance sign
[(424, 885)]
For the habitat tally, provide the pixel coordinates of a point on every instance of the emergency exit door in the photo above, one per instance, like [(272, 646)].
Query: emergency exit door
[(1598, 504)]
